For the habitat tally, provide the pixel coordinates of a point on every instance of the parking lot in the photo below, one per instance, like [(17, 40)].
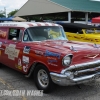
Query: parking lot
[(13, 80)]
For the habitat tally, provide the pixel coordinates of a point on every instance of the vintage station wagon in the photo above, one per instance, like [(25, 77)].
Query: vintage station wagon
[(32, 49), (82, 32)]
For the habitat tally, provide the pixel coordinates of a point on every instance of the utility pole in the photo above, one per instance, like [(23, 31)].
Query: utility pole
[(5, 11)]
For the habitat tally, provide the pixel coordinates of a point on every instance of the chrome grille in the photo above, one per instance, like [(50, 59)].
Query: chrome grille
[(85, 68)]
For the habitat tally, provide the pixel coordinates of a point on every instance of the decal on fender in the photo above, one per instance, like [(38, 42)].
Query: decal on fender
[(25, 59), (26, 49), (37, 52), (25, 68), (19, 66), (52, 54)]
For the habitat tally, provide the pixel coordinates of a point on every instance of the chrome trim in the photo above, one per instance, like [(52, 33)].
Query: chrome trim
[(77, 74), (63, 80), (94, 56), (80, 66), (88, 70)]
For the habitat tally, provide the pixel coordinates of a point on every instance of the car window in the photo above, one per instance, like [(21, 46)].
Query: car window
[(97, 30), (89, 31), (14, 34), (44, 33)]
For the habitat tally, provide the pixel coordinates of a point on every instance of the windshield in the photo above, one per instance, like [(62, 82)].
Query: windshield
[(97, 30), (91, 31), (44, 33)]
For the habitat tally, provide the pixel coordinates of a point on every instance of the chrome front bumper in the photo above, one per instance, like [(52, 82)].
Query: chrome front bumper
[(65, 79)]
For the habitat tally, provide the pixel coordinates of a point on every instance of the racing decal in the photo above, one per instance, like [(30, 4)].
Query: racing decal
[(52, 54), (39, 52), (12, 52), (19, 62), (25, 59), (26, 49), (19, 66), (25, 68), (51, 61), (2, 33)]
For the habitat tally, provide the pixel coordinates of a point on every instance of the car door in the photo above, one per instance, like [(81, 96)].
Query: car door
[(13, 48)]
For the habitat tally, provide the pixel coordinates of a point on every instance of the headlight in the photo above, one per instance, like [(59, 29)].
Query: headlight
[(67, 60)]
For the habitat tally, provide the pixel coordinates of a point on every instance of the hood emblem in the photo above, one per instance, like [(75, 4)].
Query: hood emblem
[(96, 46), (92, 56), (72, 48)]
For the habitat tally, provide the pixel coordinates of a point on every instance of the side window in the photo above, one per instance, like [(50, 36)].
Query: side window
[(13, 34)]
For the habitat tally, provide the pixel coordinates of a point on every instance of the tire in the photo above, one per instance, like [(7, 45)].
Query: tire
[(42, 79)]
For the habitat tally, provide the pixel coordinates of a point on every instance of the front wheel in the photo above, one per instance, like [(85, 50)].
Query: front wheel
[(42, 79)]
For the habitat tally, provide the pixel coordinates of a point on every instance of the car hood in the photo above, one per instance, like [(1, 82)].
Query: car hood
[(82, 52), (69, 45)]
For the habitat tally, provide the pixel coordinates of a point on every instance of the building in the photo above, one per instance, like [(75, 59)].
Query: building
[(67, 9)]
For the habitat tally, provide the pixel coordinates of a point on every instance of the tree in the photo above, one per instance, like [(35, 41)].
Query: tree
[(1, 15), (12, 13)]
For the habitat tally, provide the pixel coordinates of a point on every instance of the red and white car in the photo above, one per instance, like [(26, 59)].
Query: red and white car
[(42, 50)]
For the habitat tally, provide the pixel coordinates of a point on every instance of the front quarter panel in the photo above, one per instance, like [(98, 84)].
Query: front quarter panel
[(52, 60)]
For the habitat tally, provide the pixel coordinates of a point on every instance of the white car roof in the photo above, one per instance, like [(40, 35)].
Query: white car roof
[(27, 24)]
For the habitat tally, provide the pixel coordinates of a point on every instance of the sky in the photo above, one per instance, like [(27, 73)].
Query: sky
[(11, 5)]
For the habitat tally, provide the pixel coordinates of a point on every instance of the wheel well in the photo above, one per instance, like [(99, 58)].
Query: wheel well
[(32, 68), (38, 63)]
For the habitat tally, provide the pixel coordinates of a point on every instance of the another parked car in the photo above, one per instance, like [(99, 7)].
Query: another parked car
[(82, 32), (32, 49)]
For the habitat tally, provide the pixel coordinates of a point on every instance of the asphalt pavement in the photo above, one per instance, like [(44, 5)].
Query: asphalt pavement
[(12, 80)]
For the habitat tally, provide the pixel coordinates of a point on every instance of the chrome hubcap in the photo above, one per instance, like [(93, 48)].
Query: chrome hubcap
[(43, 78)]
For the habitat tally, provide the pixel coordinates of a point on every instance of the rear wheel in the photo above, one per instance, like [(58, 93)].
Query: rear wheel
[(42, 78)]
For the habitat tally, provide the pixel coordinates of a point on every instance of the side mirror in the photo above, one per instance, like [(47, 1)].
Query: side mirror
[(14, 39)]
